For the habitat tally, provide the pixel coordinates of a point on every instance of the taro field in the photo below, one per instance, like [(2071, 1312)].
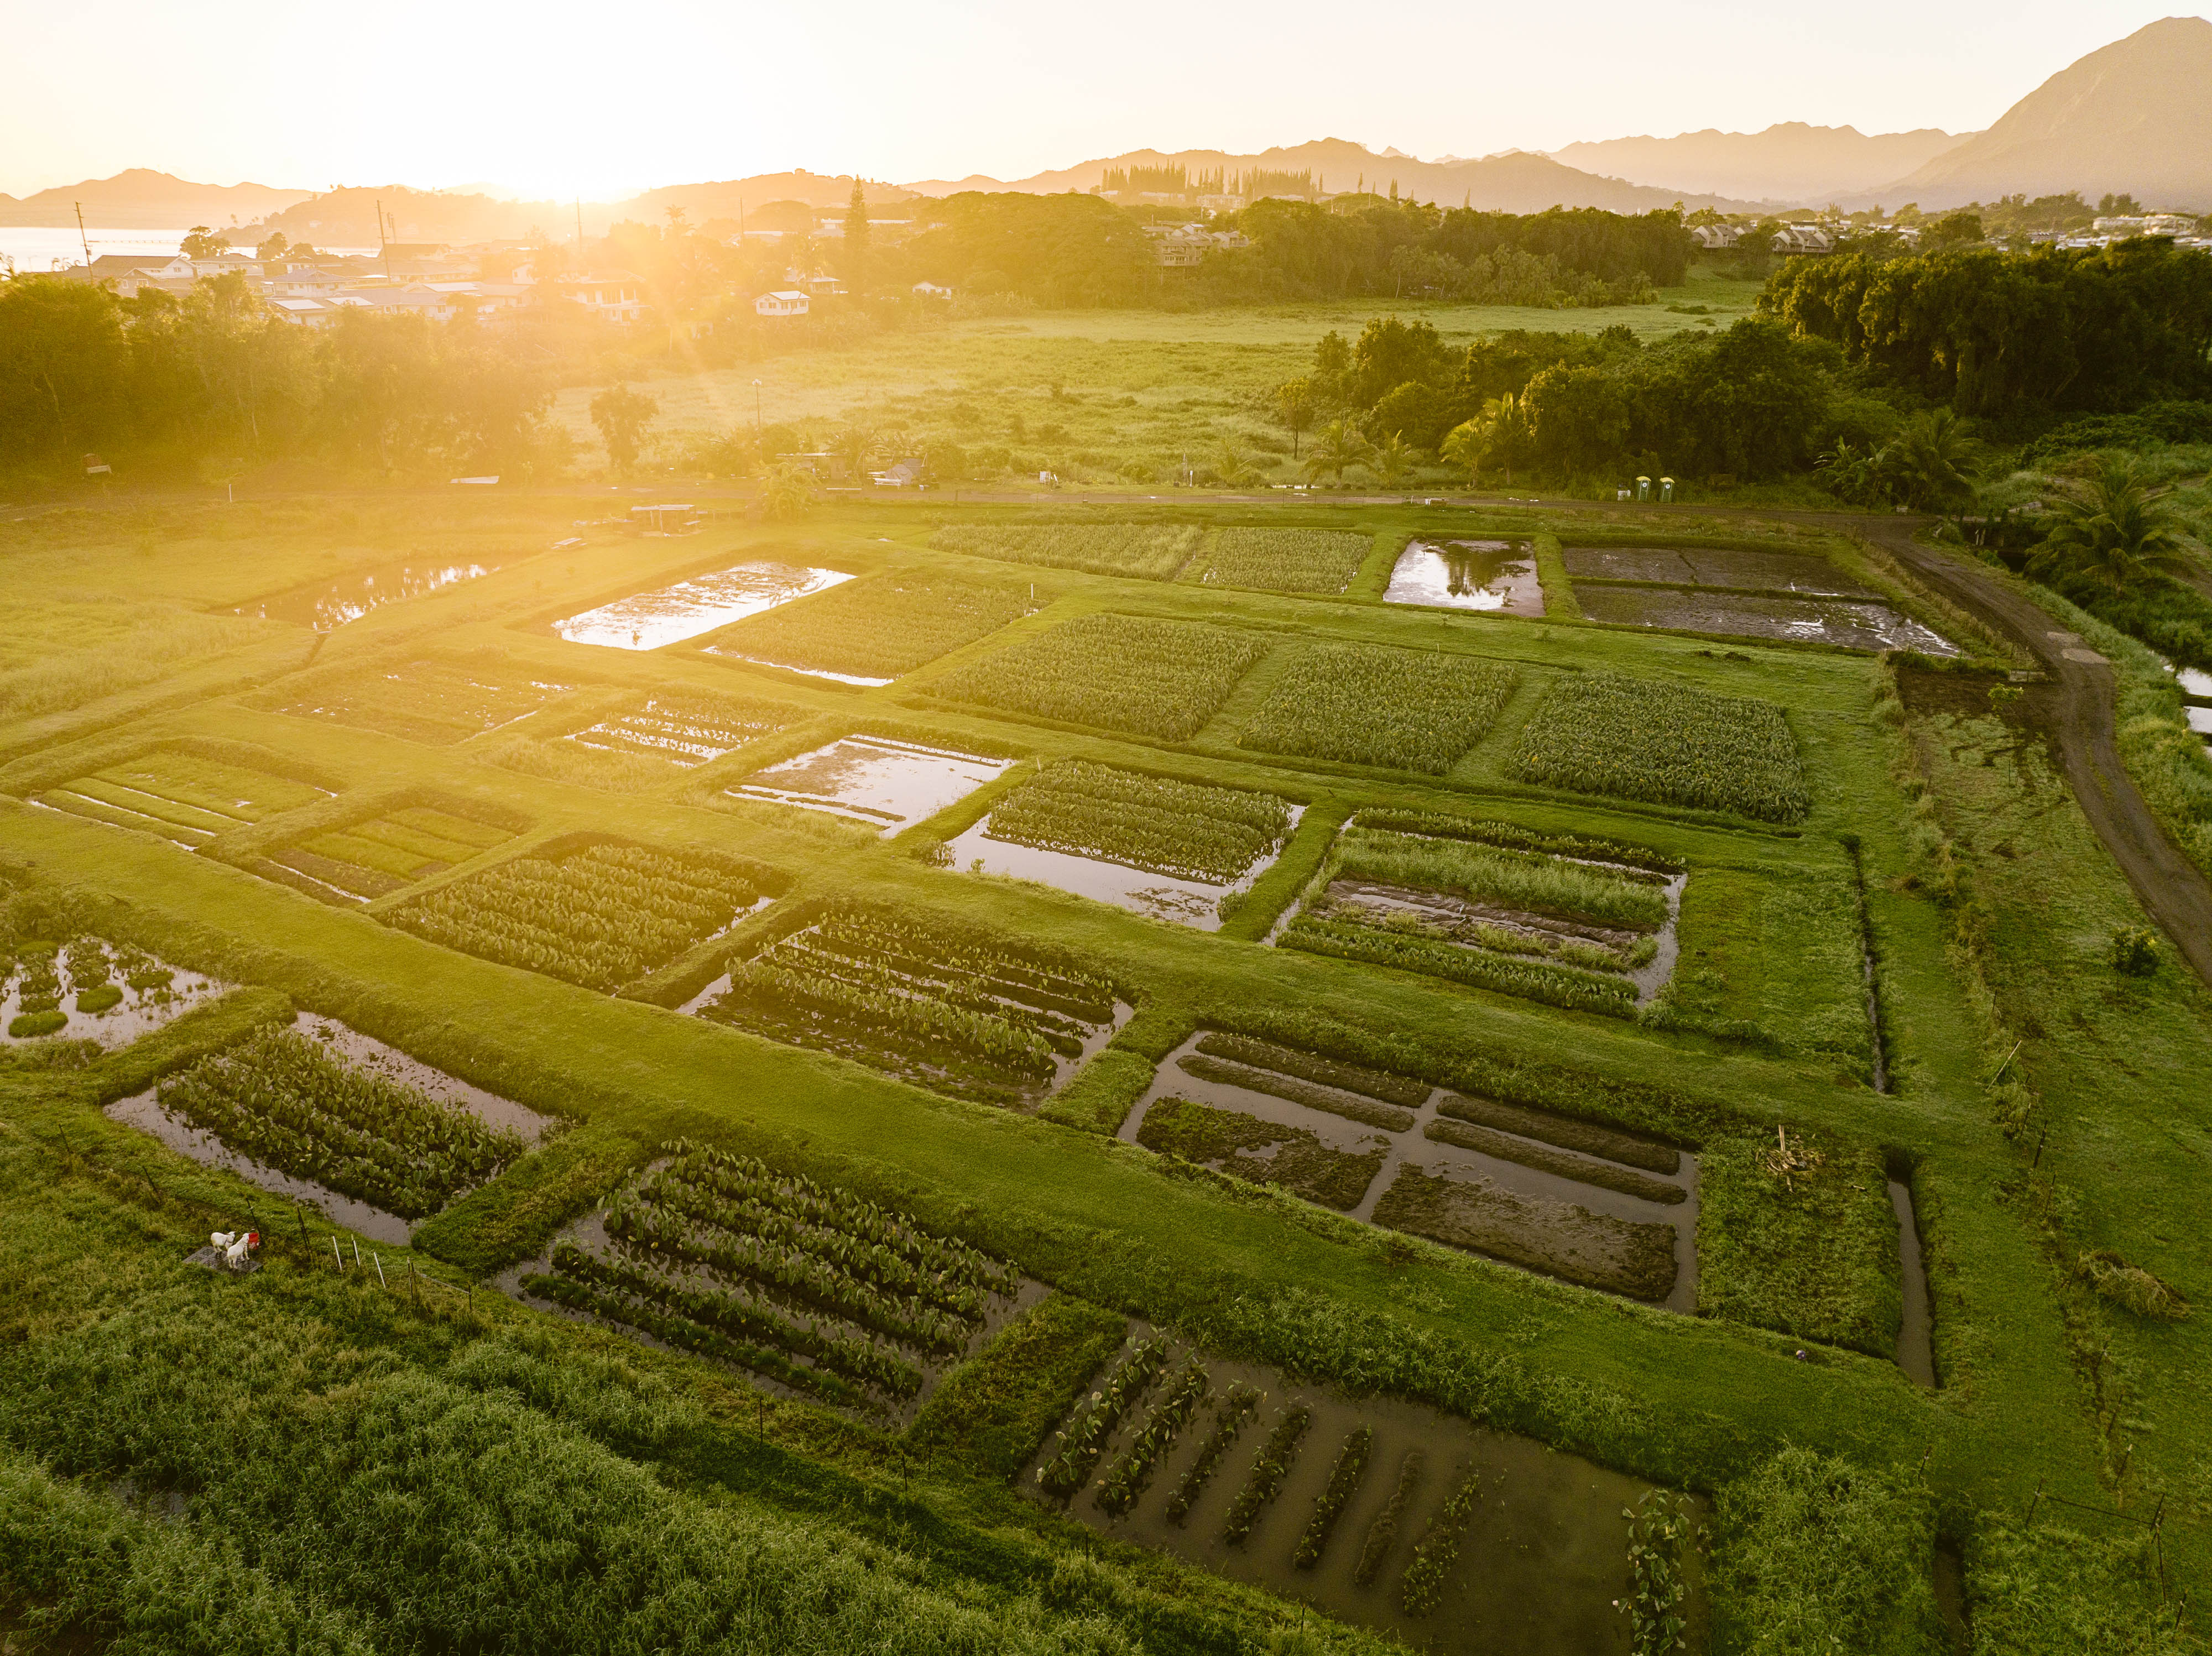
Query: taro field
[(1157, 678), (379, 855), (180, 796), (809, 1287), (997, 1023), (1140, 551), (1637, 738), (89, 989), (434, 702), (1570, 922), (872, 631), (1284, 560), (1393, 708), (602, 916)]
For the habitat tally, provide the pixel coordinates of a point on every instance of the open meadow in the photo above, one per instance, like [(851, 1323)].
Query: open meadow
[(1104, 1076)]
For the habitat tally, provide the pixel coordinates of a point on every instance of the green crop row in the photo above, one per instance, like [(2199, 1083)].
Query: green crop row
[(1230, 1416), (879, 627), (1077, 1447), (284, 1099), (1437, 1549), (601, 917), (1287, 559), (856, 1359), (1158, 678), (1186, 830), (1140, 551), (742, 1180), (1383, 1533), (1270, 1467), (1531, 882), (1507, 974), (1640, 738), (1363, 704), (1125, 1482), (1448, 825), (1328, 1507)]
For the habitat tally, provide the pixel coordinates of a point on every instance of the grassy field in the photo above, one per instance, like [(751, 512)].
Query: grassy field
[(1085, 392), (2064, 1420)]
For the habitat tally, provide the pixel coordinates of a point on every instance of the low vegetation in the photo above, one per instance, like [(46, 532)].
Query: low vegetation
[(1400, 709), (1188, 830), (1159, 678), (877, 627), (1141, 551), (1287, 559)]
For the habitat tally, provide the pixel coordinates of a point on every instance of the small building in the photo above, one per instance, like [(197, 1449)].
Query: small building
[(930, 290), (785, 301), (900, 474), (617, 295)]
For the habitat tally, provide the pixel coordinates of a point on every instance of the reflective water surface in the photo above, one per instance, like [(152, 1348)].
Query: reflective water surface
[(885, 783), (669, 614), (1500, 576)]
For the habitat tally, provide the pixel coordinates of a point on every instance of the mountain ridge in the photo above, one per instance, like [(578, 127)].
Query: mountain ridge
[(1789, 163)]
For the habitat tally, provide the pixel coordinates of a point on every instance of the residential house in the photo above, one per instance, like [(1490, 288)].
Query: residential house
[(617, 295), (900, 474), (930, 290), (787, 301)]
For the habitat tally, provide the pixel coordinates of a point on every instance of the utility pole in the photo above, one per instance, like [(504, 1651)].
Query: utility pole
[(82, 240), (383, 246), (579, 235)]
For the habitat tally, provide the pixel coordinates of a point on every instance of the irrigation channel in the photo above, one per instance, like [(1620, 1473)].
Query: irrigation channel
[(144, 1111), (1541, 1565)]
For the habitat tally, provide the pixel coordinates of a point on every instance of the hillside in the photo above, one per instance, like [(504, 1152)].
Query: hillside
[(1789, 163), (2133, 116), (142, 198), (1518, 181)]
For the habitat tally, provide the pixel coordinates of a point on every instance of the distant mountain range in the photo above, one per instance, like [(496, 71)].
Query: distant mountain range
[(1789, 163), (141, 200), (1519, 181), (2135, 116)]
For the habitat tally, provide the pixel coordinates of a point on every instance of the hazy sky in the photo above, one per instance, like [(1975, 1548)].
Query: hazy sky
[(559, 98)]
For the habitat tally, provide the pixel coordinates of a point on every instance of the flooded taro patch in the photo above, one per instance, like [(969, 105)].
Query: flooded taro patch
[(1744, 571), (1854, 624), (888, 785), (669, 614), (1498, 576), (381, 854), (810, 1289), (182, 798), (91, 990), (328, 605), (1175, 850), (685, 728), (1571, 922), (321, 1113), (1375, 1511), (997, 1023), (1564, 1197)]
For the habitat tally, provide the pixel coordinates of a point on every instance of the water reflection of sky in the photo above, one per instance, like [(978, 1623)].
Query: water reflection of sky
[(333, 603), (1500, 576), (884, 784), (668, 614)]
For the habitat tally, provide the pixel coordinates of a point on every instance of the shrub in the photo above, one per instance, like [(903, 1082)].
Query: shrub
[(2135, 951)]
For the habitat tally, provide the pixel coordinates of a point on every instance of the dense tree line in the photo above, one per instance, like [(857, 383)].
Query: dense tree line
[(2051, 331)]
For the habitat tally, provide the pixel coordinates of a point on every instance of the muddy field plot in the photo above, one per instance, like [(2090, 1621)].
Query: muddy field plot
[(322, 1115), (1140, 551), (1157, 678), (601, 916), (1170, 849), (1569, 1198), (1847, 623), (436, 703), (888, 785), (1743, 570), (1378, 1513), (1640, 738), (871, 631), (648, 741), (999, 1025), (181, 796), (92, 990), (1569, 922), (808, 1287), (1362, 704), (381, 854)]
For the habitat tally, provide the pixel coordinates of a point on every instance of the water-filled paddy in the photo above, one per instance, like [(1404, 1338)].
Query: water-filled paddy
[(1498, 576), (873, 779), (328, 605), (1854, 624), (147, 993), (1181, 901), (2195, 681), (1703, 565), (669, 614), (1541, 1566), (146, 1112)]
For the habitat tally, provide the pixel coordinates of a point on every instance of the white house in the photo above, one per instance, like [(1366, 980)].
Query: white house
[(930, 290), (617, 295), (785, 301)]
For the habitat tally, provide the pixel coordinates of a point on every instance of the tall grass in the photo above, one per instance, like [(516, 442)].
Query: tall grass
[(144, 654)]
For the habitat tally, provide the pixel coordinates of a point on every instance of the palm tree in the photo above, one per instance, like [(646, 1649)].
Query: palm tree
[(2114, 529), (852, 445), (1338, 449), (1928, 464), (787, 490), (1463, 445), (1233, 469), (1394, 460)]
